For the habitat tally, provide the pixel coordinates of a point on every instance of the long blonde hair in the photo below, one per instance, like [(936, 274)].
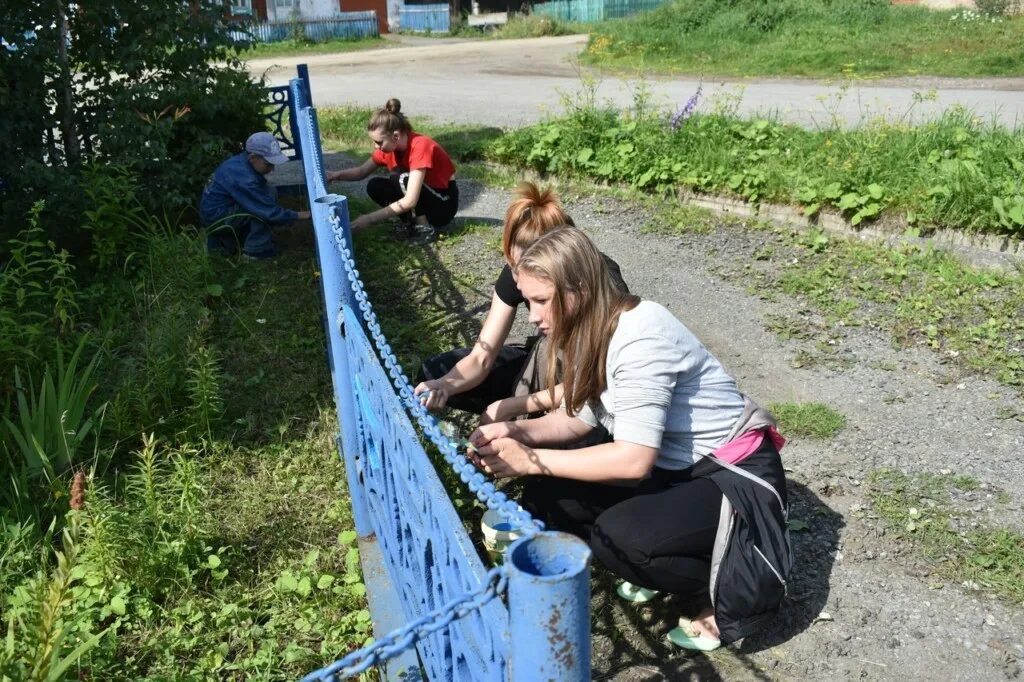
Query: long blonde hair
[(585, 311), (533, 212)]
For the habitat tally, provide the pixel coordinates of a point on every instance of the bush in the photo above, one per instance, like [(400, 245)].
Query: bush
[(151, 87), (955, 172)]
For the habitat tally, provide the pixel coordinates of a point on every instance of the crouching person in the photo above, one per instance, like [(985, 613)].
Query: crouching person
[(238, 206), (690, 496)]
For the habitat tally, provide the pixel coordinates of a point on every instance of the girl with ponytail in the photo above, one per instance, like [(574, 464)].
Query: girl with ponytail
[(498, 380), (420, 186)]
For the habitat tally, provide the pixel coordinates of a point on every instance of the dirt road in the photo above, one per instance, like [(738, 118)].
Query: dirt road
[(514, 82)]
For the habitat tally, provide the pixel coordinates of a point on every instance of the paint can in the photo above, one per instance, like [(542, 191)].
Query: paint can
[(499, 532)]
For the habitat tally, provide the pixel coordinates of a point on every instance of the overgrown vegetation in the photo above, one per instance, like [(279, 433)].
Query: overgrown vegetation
[(98, 90), (921, 509), (829, 38), (207, 533), (953, 172)]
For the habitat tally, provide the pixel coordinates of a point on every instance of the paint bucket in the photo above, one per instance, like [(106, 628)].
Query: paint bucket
[(498, 533)]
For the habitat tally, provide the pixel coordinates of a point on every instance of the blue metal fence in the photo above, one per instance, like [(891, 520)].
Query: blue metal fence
[(460, 627), (589, 11), (434, 18), (281, 102), (343, 25)]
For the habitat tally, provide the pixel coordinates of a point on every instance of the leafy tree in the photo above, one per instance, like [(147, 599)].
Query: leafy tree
[(154, 86)]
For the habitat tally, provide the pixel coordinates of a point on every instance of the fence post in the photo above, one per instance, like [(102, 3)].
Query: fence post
[(303, 71), (549, 608)]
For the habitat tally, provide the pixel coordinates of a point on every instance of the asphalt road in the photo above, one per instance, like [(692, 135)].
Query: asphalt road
[(515, 82)]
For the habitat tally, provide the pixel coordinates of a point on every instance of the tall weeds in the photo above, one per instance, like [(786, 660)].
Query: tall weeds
[(54, 420), (206, 404), (41, 618), (954, 172), (38, 299)]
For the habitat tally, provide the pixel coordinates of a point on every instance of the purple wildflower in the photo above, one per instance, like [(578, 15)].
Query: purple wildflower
[(680, 117)]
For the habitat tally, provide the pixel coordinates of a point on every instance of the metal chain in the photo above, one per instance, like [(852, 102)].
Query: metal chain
[(399, 640), (467, 472)]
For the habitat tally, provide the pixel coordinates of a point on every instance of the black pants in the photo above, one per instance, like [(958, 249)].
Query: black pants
[(658, 535), (438, 206), (499, 383)]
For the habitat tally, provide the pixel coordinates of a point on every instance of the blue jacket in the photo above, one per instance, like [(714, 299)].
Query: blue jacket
[(235, 187)]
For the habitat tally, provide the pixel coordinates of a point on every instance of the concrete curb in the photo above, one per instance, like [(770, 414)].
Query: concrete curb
[(979, 250)]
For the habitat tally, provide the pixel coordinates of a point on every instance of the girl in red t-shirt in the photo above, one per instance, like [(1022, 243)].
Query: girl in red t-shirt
[(420, 186)]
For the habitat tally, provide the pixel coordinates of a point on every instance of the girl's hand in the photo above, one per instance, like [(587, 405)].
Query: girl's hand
[(433, 394), (507, 458), (485, 433)]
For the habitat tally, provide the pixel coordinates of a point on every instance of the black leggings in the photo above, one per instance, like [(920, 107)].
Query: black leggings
[(658, 535), (499, 383), (438, 206)]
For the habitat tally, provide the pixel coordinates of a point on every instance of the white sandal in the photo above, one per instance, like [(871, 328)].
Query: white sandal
[(686, 637), (635, 593)]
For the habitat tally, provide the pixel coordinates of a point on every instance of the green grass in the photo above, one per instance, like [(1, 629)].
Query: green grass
[(807, 420), (299, 48), (808, 38), (919, 510), (223, 546)]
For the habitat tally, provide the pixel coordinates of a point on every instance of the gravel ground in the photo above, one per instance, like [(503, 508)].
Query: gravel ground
[(862, 604)]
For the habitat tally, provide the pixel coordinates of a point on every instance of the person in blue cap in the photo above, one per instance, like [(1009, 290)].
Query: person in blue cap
[(238, 206)]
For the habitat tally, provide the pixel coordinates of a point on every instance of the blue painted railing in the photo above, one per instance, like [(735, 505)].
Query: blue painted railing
[(343, 25), (434, 18), (281, 102), (417, 556)]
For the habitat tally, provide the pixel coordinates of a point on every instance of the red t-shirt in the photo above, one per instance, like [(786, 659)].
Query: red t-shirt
[(422, 153)]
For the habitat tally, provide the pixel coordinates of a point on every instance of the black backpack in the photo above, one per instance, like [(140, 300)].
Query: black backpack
[(752, 557)]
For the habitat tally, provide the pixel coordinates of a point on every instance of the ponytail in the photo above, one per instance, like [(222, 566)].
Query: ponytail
[(390, 119), (531, 214)]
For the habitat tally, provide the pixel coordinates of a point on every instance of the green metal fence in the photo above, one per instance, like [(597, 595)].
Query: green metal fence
[(589, 11)]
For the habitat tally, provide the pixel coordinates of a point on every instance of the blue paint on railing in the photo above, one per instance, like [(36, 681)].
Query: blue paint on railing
[(401, 508), (434, 18)]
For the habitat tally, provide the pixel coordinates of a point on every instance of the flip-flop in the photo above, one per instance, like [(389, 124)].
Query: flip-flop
[(635, 593), (686, 637)]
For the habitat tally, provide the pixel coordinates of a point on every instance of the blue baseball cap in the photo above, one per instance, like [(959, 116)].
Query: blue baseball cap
[(264, 144)]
